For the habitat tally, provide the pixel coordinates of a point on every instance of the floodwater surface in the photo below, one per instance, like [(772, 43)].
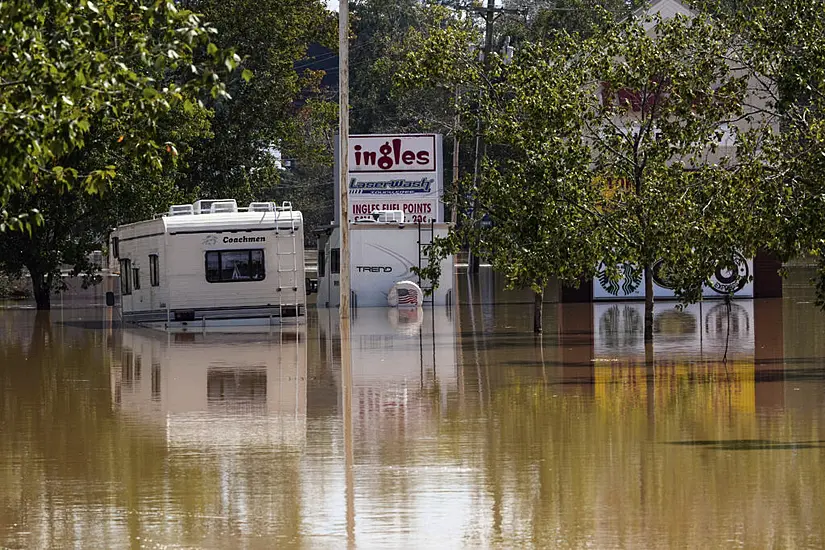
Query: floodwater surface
[(455, 428)]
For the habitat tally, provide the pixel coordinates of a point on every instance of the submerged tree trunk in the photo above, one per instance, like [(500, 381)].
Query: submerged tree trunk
[(648, 303), (42, 289), (538, 303)]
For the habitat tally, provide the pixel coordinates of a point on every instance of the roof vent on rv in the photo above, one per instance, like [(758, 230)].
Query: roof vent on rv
[(384, 216), (181, 210), (261, 207), (211, 206), (207, 206), (223, 206)]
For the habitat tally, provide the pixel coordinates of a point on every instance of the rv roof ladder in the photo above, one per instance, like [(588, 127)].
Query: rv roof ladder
[(426, 232), (286, 254)]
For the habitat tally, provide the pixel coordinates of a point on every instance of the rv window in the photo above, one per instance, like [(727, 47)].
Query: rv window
[(335, 260), (322, 263), (136, 277), (154, 272), (229, 266), (115, 247), (125, 277)]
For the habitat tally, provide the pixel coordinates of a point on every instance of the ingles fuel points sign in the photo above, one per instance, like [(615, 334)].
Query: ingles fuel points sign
[(394, 172)]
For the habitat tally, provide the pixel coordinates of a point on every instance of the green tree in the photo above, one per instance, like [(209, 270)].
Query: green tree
[(783, 46), (65, 64), (535, 186), (78, 222), (535, 183), (663, 124), (265, 118)]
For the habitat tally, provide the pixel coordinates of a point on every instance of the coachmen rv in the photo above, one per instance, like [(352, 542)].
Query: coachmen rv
[(211, 264)]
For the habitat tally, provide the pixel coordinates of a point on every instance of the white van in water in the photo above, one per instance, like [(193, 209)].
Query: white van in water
[(212, 264)]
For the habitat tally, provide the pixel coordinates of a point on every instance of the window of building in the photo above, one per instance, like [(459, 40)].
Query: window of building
[(335, 260), (231, 266), (125, 277), (115, 247), (136, 278), (322, 263), (154, 270)]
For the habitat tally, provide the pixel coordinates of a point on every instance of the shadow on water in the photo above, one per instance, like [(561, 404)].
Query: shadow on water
[(752, 444)]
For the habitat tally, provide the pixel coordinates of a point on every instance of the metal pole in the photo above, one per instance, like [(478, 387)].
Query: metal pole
[(456, 151), (489, 15), (343, 153)]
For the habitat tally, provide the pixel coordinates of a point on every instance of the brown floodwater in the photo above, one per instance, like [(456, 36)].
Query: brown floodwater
[(457, 428)]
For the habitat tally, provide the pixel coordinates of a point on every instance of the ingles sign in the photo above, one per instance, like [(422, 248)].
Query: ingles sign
[(403, 153), (395, 172)]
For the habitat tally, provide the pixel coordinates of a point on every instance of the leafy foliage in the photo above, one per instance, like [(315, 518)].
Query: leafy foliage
[(265, 119), (65, 64), (78, 222), (783, 45)]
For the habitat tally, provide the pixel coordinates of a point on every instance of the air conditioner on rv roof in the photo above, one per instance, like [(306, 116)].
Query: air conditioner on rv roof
[(211, 206), (261, 207), (181, 210), (223, 206)]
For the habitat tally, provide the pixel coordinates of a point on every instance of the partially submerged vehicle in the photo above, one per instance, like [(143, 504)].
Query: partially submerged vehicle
[(383, 252), (212, 264)]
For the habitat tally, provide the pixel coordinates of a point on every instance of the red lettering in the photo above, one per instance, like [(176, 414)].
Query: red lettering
[(396, 149), (390, 155)]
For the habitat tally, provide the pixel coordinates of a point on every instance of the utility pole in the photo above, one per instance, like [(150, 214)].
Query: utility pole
[(489, 18), (456, 152), (343, 153), (344, 278)]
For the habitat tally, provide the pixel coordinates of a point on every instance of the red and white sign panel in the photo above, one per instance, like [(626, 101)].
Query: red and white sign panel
[(393, 153), (394, 172), (415, 211)]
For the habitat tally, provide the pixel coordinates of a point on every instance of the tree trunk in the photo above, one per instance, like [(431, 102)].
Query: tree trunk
[(538, 303), (648, 303), (42, 288), (473, 263)]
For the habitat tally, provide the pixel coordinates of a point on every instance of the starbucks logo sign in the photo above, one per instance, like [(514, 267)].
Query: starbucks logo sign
[(730, 276)]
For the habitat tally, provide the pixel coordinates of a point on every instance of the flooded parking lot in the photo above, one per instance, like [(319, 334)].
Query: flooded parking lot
[(456, 428)]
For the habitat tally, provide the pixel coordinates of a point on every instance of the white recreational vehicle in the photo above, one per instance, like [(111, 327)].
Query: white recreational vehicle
[(211, 264), (383, 249)]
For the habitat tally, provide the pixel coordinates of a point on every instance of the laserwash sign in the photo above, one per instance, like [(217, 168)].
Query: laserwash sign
[(394, 172)]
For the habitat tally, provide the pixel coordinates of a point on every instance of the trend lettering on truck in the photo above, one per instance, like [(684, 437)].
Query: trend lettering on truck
[(390, 155), (244, 239), (374, 268)]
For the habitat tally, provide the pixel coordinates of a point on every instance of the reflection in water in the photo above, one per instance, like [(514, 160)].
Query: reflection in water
[(464, 430)]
